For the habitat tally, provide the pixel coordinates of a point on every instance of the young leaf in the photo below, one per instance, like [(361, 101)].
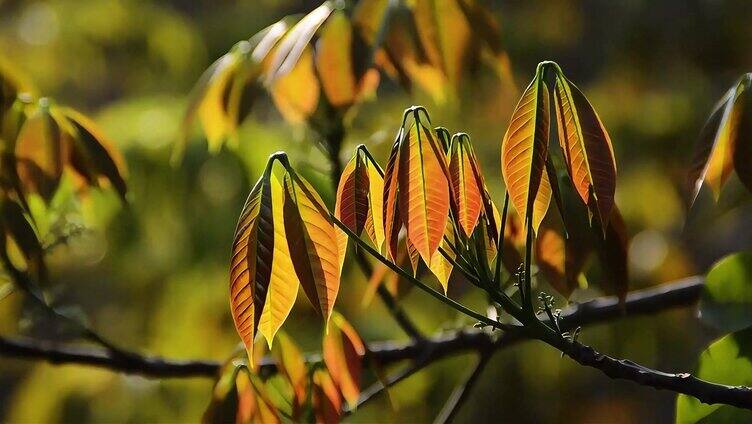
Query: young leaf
[(96, 152), (334, 60), (41, 151), (523, 153), (292, 364), (714, 160), (352, 204), (392, 223), (423, 188), (251, 264), (313, 244), (587, 148), (343, 352), (327, 402), (440, 265), (727, 293), (613, 252), (282, 289), (467, 202), (743, 147)]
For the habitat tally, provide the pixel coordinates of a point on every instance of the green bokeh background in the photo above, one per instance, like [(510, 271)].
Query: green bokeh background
[(152, 276)]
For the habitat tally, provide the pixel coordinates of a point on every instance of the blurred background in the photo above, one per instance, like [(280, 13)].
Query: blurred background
[(152, 276)]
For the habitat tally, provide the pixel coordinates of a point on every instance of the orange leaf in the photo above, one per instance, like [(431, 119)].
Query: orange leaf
[(343, 352), (467, 188), (587, 148), (423, 189), (392, 223), (313, 244), (523, 153), (292, 364), (327, 403), (334, 60)]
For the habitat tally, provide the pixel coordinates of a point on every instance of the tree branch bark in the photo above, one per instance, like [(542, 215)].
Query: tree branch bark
[(657, 299)]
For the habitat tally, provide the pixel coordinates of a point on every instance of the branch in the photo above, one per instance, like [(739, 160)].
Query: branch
[(653, 300)]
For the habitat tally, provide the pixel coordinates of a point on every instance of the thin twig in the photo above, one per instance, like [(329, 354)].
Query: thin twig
[(460, 393)]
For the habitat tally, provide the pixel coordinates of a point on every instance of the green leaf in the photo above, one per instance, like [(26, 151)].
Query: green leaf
[(726, 301), (726, 361)]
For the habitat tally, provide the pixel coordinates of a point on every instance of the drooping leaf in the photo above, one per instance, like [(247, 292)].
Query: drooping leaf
[(334, 60), (713, 161), (352, 205), (726, 301), (41, 151), (251, 264), (296, 93), (374, 222), (523, 153), (392, 222), (313, 244), (726, 361), (327, 402), (16, 229), (282, 289), (238, 397), (423, 188), (743, 144), (560, 260), (467, 202), (588, 153), (292, 365), (343, 352), (440, 265), (94, 155), (613, 253)]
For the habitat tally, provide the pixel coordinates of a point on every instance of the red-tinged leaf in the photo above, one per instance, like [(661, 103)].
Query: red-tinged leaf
[(413, 255), (251, 264), (467, 202), (313, 244), (374, 223), (423, 189), (524, 151), (588, 152), (327, 402), (343, 352), (238, 397), (392, 222), (352, 204)]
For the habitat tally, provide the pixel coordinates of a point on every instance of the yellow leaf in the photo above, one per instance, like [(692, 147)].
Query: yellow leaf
[(523, 154), (334, 60), (440, 265), (296, 93), (313, 244), (283, 284)]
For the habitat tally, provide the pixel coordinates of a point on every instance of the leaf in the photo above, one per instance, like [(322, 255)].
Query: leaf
[(313, 244), (343, 353), (374, 223), (439, 265), (613, 252), (588, 153), (296, 93), (467, 202), (713, 160), (446, 35), (292, 364), (251, 264), (41, 150), (423, 189), (327, 403), (392, 223), (523, 154), (334, 61), (560, 260), (742, 151), (227, 86), (352, 204), (237, 398), (726, 300), (15, 227), (96, 152), (726, 361)]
